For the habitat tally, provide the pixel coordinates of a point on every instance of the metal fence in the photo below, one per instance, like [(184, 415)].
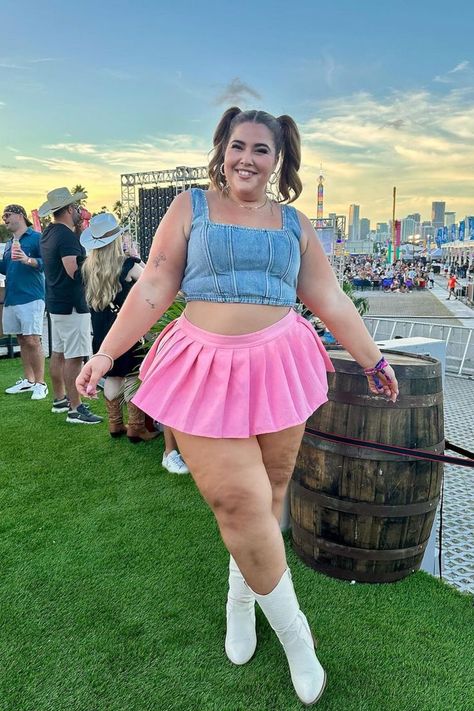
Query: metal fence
[(459, 340)]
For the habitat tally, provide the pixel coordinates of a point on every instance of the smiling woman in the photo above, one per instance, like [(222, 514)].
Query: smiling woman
[(239, 372), (280, 133)]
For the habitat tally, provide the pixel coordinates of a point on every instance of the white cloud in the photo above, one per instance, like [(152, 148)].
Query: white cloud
[(40, 60), (6, 64), (418, 141), (421, 142), (81, 148), (459, 67), (447, 77)]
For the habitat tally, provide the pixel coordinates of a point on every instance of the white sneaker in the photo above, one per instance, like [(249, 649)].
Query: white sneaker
[(174, 464), (21, 386), (40, 390)]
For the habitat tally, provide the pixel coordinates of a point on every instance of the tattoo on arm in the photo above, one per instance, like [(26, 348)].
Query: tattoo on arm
[(157, 260), (152, 305)]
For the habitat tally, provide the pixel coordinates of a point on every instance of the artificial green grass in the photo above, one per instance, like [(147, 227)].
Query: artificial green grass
[(113, 587)]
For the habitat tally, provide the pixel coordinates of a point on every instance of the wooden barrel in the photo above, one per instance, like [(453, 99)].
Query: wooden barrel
[(361, 514)]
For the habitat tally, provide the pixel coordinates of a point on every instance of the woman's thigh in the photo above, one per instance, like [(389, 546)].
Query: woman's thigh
[(229, 473), (279, 452)]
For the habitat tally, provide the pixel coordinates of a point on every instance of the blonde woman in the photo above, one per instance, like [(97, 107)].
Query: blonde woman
[(108, 277)]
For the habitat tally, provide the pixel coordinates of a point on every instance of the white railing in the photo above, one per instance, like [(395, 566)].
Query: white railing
[(459, 340)]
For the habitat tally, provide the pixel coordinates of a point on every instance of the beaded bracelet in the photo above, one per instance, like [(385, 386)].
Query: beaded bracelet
[(106, 355)]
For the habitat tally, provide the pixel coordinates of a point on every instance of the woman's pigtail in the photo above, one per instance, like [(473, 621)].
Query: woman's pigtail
[(220, 139), (290, 181)]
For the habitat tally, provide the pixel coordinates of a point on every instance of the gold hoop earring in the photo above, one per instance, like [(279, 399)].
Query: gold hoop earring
[(273, 179)]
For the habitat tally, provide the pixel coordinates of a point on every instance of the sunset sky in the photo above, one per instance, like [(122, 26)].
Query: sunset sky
[(383, 94)]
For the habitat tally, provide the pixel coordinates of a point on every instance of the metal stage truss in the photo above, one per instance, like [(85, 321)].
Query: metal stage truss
[(179, 179), (335, 228)]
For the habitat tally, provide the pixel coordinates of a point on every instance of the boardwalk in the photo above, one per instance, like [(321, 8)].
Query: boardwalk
[(458, 514)]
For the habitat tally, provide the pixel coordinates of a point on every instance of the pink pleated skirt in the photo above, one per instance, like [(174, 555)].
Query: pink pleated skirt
[(211, 385)]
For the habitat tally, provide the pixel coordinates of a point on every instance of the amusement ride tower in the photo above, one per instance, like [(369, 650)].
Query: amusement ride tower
[(320, 210)]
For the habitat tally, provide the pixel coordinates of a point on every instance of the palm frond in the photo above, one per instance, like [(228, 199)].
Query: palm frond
[(173, 312), (360, 302)]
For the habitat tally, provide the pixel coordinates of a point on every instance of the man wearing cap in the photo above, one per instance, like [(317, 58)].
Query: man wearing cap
[(63, 255), (23, 311)]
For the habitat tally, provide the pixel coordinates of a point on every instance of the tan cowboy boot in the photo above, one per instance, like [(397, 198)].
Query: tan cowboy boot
[(115, 415), (136, 429)]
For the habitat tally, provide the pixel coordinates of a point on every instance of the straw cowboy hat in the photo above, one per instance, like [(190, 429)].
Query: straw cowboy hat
[(103, 229), (57, 199)]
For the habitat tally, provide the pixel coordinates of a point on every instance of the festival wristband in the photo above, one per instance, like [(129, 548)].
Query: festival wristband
[(378, 368)]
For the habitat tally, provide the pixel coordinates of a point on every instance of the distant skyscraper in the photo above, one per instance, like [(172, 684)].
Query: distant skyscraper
[(437, 214), (449, 218), (354, 226), (427, 233), (416, 217), (409, 228), (364, 227)]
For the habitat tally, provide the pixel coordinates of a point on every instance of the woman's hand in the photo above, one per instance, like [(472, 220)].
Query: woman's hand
[(384, 383), (91, 373)]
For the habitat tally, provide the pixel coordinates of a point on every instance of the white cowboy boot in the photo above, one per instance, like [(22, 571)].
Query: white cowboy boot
[(283, 612), (240, 639)]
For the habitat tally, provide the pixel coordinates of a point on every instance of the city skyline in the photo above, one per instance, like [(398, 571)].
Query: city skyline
[(447, 218), (117, 90)]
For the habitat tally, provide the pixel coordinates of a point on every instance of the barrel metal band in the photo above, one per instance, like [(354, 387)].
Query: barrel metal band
[(375, 455), (302, 535), (403, 402), (360, 576), (362, 507), (424, 454)]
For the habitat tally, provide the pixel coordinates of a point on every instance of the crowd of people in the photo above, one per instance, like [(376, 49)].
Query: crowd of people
[(63, 270), (366, 272), (235, 377)]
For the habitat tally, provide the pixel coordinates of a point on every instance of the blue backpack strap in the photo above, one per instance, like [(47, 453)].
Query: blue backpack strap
[(199, 203), (291, 220)]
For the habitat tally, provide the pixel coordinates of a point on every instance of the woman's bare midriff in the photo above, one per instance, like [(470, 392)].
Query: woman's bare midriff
[(233, 319)]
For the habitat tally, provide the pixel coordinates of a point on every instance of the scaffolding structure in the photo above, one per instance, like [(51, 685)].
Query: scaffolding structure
[(337, 227), (180, 178)]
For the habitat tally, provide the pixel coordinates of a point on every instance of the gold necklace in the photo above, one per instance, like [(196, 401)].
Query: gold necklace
[(249, 207)]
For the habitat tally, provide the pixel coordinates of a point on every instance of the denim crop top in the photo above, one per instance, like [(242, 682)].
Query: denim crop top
[(236, 264)]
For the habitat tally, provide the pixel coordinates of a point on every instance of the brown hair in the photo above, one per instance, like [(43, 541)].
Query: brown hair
[(287, 144), (57, 214)]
